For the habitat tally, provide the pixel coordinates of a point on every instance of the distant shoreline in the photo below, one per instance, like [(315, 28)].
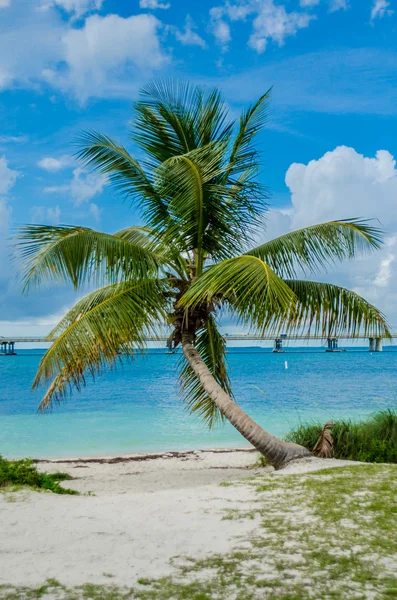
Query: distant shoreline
[(141, 457)]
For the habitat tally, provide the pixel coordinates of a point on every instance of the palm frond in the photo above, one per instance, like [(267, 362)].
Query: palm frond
[(95, 333), (327, 309), (183, 181), (211, 346), (174, 117), (210, 214), (77, 254), (252, 121), (314, 247), (101, 153), (249, 286), (168, 253)]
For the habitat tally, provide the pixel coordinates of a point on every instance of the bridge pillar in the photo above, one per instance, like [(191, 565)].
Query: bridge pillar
[(375, 344), (8, 348), (332, 345), (278, 345)]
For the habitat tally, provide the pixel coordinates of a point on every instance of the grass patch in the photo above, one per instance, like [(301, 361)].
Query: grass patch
[(15, 473), (373, 440), (328, 534)]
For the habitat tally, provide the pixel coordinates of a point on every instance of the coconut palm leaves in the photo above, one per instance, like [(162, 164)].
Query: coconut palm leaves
[(326, 309), (314, 247), (261, 299), (106, 324), (78, 254), (200, 204), (252, 290)]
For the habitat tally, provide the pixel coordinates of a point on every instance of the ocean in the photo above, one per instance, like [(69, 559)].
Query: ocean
[(138, 408)]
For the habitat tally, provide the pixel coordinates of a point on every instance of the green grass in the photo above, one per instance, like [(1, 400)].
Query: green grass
[(328, 535), (17, 473), (373, 440)]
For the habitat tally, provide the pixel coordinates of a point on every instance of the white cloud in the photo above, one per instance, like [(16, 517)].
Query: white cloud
[(78, 7), (306, 3), (189, 37), (380, 9), (154, 4), (41, 214), (338, 5), (345, 184), (108, 48), (5, 3), (82, 188), (8, 176), (275, 23), (85, 186), (219, 27), (99, 57), (49, 163), (271, 22)]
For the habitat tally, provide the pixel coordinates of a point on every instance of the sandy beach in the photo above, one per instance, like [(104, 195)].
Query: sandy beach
[(134, 515)]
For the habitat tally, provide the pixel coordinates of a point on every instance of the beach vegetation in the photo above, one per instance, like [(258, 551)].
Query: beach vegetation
[(371, 440), (328, 534), (17, 473), (193, 258)]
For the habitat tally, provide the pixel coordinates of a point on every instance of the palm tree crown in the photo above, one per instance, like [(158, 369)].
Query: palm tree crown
[(201, 205)]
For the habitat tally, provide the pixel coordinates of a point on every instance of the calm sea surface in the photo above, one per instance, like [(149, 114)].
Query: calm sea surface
[(138, 407)]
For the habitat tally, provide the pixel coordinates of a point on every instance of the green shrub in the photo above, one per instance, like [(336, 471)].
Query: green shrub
[(373, 440), (24, 472)]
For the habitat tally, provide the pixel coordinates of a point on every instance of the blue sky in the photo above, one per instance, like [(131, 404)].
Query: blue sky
[(328, 151)]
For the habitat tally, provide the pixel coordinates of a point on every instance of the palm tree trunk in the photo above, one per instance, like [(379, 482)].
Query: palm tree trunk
[(277, 452)]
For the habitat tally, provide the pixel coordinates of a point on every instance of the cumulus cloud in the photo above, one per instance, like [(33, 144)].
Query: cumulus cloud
[(347, 182), (270, 21), (107, 48), (154, 4), (81, 188), (380, 9), (189, 37), (344, 184), (48, 163), (99, 57), (275, 23), (219, 27)]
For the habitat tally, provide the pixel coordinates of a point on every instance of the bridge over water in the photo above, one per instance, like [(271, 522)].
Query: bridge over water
[(375, 344)]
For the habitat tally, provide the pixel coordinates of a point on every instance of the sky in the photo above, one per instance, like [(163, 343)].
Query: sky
[(328, 150)]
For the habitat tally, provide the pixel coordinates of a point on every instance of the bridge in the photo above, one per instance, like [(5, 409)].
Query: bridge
[(375, 344)]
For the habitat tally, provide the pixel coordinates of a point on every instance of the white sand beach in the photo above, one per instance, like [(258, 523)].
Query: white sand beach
[(143, 511)]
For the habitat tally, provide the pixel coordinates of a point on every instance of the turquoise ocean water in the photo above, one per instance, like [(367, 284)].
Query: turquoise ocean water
[(138, 408)]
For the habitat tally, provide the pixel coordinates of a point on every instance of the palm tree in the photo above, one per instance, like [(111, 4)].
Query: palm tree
[(201, 206)]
